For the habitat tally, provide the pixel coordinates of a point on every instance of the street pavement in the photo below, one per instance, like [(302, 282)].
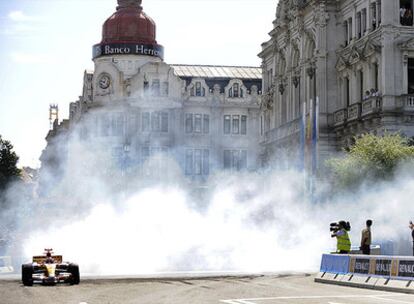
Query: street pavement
[(193, 289)]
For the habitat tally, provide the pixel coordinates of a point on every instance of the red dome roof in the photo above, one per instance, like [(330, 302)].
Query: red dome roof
[(129, 24)]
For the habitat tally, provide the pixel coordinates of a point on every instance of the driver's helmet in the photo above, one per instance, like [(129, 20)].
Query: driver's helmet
[(49, 259)]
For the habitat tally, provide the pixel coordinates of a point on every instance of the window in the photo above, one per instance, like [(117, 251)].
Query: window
[(359, 24), (118, 124), (364, 21), (206, 124), (197, 162), (361, 84), (158, 165), (198, 90), (165, 88), (236, 91), (227, 160), (146, 86), (146, 122), (346, 33), (347, 92), (133, 123), (269, 78), (189, 123), (164, 122), (261, 125), (410, 75), (374, 15), (105, 125), (197, 123), (376, 74), (155, 122), (145, 154), (379, 12), (406, 12), (189, 162), (236, 124), (235, 160), (227, 124), (350, 33), (155, 87), (206, 162), (243, 127)]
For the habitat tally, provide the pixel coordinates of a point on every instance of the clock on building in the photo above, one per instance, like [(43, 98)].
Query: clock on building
[(104, 82)]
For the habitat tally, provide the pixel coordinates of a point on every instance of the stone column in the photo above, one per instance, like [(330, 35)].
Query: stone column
[(405, 73), (390, 12)]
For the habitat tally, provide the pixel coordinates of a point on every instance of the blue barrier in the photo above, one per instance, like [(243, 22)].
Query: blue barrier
[(335, 263)]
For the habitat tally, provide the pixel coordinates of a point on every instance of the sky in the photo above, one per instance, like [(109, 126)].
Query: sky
[(45, 46)]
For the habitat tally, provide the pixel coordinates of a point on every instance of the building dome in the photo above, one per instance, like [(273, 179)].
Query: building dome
[(129, 24)]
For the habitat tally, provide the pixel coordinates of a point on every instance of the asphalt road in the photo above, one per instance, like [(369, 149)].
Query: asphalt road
[(243, 289)]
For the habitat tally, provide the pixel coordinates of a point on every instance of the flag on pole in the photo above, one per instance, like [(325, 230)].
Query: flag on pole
[(309, 123), (315, 137), (302, 138)]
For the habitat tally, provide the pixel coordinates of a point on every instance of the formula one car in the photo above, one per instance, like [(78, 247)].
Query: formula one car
[(49, 269)]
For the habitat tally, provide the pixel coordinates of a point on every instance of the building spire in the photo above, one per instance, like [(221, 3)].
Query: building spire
[(129, 3)]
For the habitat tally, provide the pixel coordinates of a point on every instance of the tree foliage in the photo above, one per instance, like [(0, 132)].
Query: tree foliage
[(8, 164), (371, 158)]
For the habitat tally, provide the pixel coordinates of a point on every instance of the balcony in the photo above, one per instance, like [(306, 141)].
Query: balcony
[(371, 105), (340, 117), (354, 112), (361, 110), (407, 103), (284, 131)]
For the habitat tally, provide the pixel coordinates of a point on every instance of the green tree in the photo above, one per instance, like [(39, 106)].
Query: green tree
[(8, 164), (371, 158)]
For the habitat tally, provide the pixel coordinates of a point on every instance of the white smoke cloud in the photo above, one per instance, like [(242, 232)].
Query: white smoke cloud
[(118, 223)]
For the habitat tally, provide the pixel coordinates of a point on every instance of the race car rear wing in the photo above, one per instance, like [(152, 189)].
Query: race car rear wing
[(40, 259)]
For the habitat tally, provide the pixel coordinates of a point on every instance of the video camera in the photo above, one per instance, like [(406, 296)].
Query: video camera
[(335, 227)]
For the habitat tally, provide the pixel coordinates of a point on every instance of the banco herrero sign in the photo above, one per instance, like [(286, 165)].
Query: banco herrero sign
[(110, 49)]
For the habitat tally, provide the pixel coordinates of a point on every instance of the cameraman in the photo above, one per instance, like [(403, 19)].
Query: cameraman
[(343, 243)]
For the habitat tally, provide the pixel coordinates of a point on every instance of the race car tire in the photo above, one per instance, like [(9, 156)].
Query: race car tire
[(73, 269), (27, 274)]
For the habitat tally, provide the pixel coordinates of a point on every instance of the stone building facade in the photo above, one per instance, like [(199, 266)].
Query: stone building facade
[(355, 56), (139, 108)]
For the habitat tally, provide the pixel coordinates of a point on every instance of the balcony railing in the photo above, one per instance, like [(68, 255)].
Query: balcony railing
[(371, 105), (354, 112), (407, 103), (361, 110), (340, 117), (281, 132)]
